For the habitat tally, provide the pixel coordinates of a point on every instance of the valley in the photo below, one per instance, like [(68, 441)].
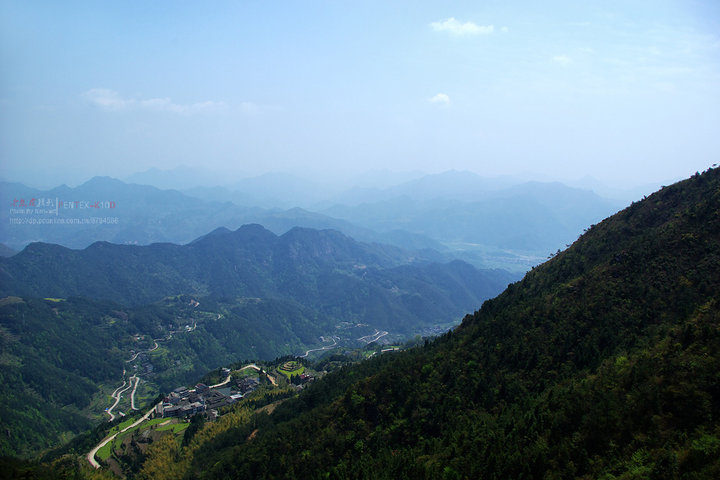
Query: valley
[(249, 386), (163, 315), (322, 240), (143, 367), (605, 348)]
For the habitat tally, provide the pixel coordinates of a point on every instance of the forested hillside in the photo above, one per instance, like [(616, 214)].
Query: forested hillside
[(601, 363), (61, 358), (321, 270), (224, 297)]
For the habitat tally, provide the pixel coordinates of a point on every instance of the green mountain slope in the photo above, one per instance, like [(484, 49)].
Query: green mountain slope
[(601, 363), (320, 269), (261, 296), (61, 359)]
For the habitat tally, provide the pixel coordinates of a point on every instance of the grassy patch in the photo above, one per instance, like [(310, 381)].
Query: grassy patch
[(105, 452), (174, 427), (143, 426), (289, 374), (126, 423), (291, 368), (245, 372), (154, 421), (121, 425), (123, 435)]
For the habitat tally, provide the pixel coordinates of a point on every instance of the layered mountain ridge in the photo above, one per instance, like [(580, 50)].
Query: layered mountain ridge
[(380, 285), (227, 295), (491, 223)]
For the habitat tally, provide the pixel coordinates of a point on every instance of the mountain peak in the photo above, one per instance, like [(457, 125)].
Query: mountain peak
[(253, 229), (103, 182), (218, 232)]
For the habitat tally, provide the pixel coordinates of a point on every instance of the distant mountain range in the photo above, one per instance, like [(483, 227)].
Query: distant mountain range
[(489, 223), (140, 215), (531, 219)]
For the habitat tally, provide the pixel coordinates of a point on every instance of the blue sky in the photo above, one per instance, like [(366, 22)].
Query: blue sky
[(627, 92)]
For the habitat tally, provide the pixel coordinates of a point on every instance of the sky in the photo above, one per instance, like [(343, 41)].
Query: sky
[(626, 92)]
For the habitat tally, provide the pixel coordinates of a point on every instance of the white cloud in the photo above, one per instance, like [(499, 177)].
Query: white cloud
[(166, 105), (456, 27), (107, 99), (563, 60), (249, 108), (440, 98), (112, 100)]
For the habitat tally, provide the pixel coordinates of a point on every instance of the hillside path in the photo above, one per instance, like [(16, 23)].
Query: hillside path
[(327, 347), (270, 377), (91, 455), (224, 382), (117, 395), (132, 394)]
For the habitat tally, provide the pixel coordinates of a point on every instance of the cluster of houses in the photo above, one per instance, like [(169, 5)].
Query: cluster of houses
[(183, 402)]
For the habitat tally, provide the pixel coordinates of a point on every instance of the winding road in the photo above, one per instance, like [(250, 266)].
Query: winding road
[(91, 455), (224, 382), (327, 347), (374, 337), (132, 394), (144, 351), (117, 395), (123, 388)]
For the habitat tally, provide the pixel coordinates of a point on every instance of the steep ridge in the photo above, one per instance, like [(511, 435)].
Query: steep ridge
[(601, 363)]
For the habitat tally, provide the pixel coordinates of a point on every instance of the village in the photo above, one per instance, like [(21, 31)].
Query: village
[(174, 413), (183, 402), (127, 442)]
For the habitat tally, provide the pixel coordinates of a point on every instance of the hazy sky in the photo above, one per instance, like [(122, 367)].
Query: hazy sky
[(617, 90)]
